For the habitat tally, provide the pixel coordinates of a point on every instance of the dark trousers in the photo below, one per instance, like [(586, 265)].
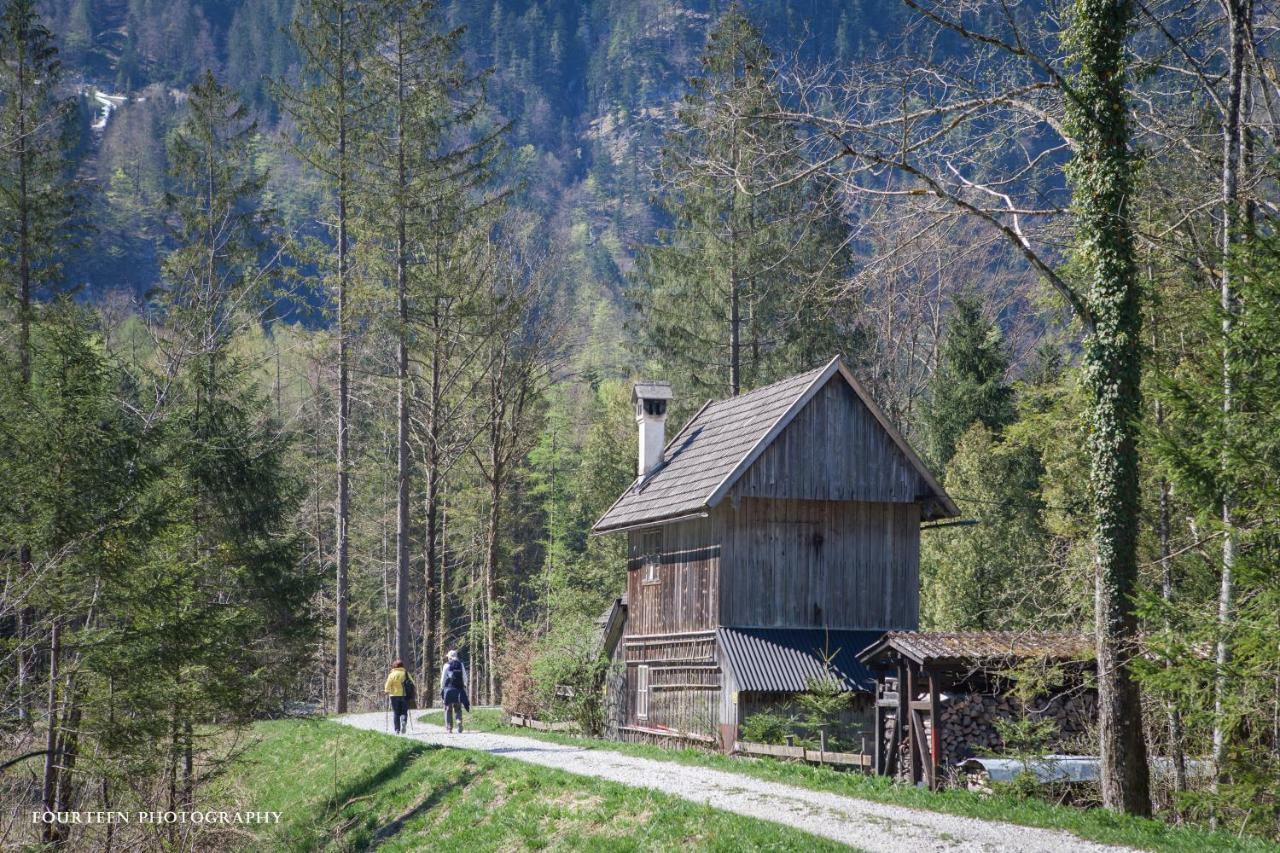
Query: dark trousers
[(400, 712), (451, 711)]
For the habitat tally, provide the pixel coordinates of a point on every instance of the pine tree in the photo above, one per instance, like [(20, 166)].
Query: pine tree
[(335, 39), (414, 210), (968, 386), (740, 290), (38, 195)]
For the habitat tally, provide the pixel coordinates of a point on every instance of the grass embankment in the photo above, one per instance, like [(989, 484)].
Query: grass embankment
[(1093, 824), (343, 789)]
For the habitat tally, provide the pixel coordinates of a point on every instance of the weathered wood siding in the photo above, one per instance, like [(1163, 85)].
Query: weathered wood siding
[(834, 450), (795, 563), (684, 682), (686, 594)]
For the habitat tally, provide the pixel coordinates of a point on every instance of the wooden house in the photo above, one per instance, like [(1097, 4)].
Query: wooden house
[(771, 540)]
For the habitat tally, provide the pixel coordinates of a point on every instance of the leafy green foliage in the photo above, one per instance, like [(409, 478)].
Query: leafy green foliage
[(1209, 450)]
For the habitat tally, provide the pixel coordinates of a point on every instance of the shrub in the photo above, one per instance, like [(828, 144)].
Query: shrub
[(568, 675), (767, 727)]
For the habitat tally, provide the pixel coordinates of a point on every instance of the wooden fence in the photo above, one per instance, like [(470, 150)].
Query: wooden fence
[(799, 753), (538, 725)]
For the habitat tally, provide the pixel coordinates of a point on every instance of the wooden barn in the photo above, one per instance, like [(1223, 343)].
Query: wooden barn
[(771, 540)]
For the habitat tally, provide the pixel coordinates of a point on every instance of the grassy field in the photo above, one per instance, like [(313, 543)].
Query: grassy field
[(1093, 824), (344, 789)]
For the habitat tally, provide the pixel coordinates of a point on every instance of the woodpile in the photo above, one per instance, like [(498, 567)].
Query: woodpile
[(969, 723)]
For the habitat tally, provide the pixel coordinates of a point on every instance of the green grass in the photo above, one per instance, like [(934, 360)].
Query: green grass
[(1093, 824), (344, 789)]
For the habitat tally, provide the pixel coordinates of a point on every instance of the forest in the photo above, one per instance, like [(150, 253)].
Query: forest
[(321, 319)]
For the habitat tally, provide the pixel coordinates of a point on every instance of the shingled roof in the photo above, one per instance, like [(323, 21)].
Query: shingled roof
[(942, 648), (721, 441)]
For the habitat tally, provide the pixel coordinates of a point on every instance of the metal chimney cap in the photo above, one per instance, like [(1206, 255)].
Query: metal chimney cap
[(648, 389)]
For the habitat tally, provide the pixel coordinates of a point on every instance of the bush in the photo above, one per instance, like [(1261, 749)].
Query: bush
[(519, 683), (568, 676), (767, 727)]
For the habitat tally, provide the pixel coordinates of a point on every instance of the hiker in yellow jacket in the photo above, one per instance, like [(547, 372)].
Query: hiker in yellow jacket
[(399, 686)]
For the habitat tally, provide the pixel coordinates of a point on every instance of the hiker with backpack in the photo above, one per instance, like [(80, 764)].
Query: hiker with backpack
[(402, 691), (453, 690)]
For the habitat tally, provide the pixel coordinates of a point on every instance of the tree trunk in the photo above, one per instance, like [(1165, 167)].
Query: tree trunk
[(490, 583), (1102, 184), (51, 758), (24, 355), (1177, 756), (433, 627), (343, 502), (188, 765), (404, 645), (68, 748), (1231, 144)]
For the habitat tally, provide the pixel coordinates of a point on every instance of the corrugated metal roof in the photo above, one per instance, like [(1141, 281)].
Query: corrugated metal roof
[(932, 647), (785, 660)]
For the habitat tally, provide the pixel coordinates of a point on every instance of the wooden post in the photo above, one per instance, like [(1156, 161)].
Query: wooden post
[(879, 764), (935, 729), (911, 718), (822, 744), (900, 724)]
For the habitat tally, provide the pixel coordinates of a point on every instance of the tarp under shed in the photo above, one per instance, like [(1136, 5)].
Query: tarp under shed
[(1067, 768), (787, 660)]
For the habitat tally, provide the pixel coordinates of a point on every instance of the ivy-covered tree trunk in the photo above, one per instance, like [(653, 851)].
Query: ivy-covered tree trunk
[(1101, 174)]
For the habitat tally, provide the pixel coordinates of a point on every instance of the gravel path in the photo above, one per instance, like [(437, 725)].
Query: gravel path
[(859, 823)]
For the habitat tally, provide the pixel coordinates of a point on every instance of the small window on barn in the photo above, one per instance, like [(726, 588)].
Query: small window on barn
[(651, 555), (642, 692)]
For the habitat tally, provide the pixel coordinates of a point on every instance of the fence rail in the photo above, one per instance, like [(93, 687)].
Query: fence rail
[(538, 725), (799, 753)]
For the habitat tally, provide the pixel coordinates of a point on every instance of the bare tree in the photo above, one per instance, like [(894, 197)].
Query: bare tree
[(525, 348), (1023, 128)]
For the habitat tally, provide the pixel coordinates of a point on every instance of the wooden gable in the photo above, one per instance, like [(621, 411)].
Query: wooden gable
[(834, 449)]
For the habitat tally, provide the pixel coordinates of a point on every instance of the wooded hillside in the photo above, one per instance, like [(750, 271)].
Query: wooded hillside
[(321, 319)]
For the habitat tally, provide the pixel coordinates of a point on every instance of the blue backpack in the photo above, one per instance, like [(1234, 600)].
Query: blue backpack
[(455, 674)]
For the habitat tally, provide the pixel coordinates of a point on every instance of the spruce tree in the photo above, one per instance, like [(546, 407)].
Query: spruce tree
[(414, 210), (969, 385), (1209, 449), (37, 185), (38, 196), (740, 290), (227, 565), (330, 108)]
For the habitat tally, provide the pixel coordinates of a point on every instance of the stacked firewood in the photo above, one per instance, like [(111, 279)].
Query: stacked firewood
[(969, 721)]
